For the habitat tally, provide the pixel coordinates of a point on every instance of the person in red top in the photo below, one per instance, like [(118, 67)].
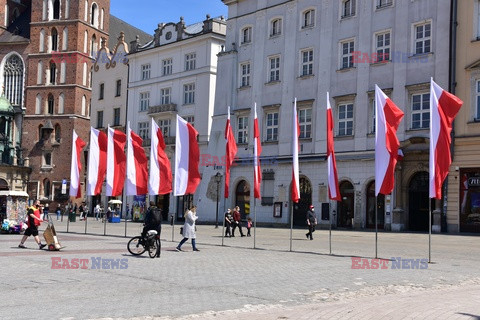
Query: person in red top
[(237, 221), (33, 222)]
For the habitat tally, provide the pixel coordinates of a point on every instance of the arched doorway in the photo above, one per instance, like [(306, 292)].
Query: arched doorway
[(418, 202), (300, 208), (371, 207), (345, 208), (242, 198), (4, 185)]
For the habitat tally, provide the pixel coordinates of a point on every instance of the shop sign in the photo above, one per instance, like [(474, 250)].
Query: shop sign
[(474, 182)]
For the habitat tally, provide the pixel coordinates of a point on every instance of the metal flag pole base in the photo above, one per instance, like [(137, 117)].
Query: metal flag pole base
[(291, 225), (254, 223), (330, 232), (376, 228), (429, 230)]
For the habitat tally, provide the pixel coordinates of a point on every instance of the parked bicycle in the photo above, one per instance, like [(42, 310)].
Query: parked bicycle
[(151, 243)]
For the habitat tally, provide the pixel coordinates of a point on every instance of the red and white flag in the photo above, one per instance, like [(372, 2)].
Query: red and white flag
[(257, 151), (444, 106), (387, 119), (137, 177), (77, 146), (333, 189), (160, 178), (230, 152), (97, 161), (116, 160), (187, 158), (295, 167)]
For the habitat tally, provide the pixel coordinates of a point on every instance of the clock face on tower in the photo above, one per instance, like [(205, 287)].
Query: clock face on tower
[(168, 36)]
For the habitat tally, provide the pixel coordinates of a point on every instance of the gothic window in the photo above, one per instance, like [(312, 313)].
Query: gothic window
[(94, 15), (53, 72), (58, 132), (56, 9), (13, 79), (50, 104), (54, 40)]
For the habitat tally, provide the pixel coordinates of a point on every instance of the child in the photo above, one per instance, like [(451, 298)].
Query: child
[(249, 225)]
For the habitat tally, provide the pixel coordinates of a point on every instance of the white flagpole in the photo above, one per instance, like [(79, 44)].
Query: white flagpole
[(429, 230), (376, 227)]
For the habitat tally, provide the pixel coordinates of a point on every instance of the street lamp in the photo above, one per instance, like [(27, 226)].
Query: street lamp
[(218, 179)]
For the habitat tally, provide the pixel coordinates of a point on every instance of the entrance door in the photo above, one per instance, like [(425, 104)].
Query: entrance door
[(300, 208), (242, 198), (345, 211), (163, 203), (418, 202), (183, 203), (371, 207)]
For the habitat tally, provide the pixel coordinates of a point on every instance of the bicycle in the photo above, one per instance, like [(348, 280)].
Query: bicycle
[(151, 243)]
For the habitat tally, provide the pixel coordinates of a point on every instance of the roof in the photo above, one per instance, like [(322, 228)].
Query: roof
[(117, 25), (19, 30), (5, 105)]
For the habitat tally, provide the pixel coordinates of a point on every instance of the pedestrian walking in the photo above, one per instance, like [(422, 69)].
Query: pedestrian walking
[(228, 223), (249, 226), (237, 221), (33, 223), (96, 211), (81, 210), (45, 212), (189, 228), (58, 212), (311, 221)]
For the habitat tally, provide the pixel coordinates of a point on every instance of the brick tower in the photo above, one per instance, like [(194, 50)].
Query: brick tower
[(64, 36)]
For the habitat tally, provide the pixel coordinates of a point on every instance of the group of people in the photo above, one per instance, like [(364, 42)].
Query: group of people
[(233, 220)]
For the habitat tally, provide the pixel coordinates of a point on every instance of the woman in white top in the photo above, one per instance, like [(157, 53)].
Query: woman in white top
[(189, 228)]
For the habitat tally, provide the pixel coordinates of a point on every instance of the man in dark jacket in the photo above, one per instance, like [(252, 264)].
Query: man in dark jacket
[(153, 219), (237, 221), (311, 221)]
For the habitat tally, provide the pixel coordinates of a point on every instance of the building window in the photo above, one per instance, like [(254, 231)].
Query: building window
[(307, 62), (144, 101), (101, 91), (245, 74), (384, 3), (478, 99), (67, 9), (189, 93), (242, 130), (165, 95), (47, 159), (50, 104), (93, 46), (61, 103), (276, 27), (143, 130), (383, 46), (308, 19), (56, 9), (348, 8), (146, 71), (345, 119), (246, 35), (305, 122), (423, 38), (347, 53), (13, 80), (65, 39), (190, 60), (164, 125), (118, 88), (373, 113), (167, 66), (63, 71), (421, 111), (190, 119), (94, 15), (99, 119), (58, 133), (54, 40), (46, 182), (116, 117), (41, 43), (271, 125), (38, 104), (274, 65)]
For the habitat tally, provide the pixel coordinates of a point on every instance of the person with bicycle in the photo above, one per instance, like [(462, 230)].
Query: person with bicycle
[(153, 220)]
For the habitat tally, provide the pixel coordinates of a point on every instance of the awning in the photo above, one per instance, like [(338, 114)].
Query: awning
[(14, 193)]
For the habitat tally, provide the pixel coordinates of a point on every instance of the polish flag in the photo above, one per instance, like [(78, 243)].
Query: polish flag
[(387, 119), (187, 158), (295, 169), (333, 189), (136, 165), (257, 151), (77, 146), (160, 178), (97, 161), (115, 162), (230, 153), (444, 106)]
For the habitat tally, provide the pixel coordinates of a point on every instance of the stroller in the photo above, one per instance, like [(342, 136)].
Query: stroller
[(50, 236)]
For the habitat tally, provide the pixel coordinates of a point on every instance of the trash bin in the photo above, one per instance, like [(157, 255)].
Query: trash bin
[(72, 217)]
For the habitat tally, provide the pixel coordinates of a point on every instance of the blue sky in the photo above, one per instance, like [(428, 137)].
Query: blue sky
[(147, 14)]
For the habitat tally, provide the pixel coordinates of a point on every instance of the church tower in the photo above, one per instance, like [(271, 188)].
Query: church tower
[(64, 37)]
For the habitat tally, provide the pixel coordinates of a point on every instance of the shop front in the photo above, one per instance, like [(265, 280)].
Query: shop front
[(469, 204)]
